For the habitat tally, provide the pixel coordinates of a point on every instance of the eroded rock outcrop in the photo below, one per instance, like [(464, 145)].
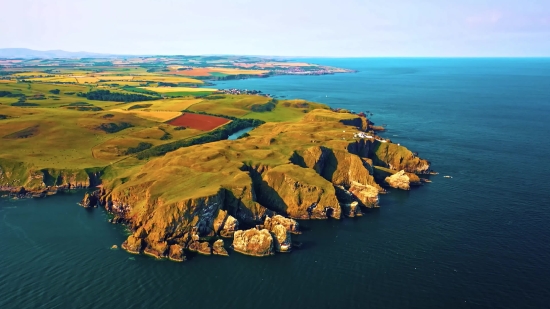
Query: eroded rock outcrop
[(282, 241), (218, 248), (201, 247), (290, 224), (225, 225), (133, 244), (397, 157), (15, 174), (352, 209), (367, 195), (253, 242), (299, 193), (157, 250), (303, 170), (176, 253), (399, 180), (89, 200)]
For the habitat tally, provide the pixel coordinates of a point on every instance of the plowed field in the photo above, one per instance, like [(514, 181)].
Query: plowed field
[(199, 122)]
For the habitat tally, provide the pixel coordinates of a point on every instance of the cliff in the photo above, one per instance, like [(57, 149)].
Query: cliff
[(190, 198), (24, 179)]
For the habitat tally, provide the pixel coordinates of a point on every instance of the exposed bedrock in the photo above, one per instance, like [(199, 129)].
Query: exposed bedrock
[(299, 193), (352, 209), (15, 174), (399, 180), (176, 253), (282, 241), (225, 225), (366, 195), (290, 224), (190, 198), (90, 200), (133, 244), (253, 242), (396, 157), (218, 248)]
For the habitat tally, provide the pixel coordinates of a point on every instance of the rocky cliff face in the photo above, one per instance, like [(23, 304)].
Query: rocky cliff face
[(290, 224), (398, 158), (193, 197), (40, 182), (299, 193)]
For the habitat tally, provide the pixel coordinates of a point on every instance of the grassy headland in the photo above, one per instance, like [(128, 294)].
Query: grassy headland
[(157, 143)]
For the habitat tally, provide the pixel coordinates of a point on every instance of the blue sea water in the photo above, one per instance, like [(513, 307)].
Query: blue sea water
[(478, 240)]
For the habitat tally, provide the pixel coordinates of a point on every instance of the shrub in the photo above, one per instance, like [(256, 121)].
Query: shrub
[(139, 148)]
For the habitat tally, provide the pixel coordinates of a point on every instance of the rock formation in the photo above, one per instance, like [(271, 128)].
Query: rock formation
[(176, 253), (352, 209), (132, 244), (253, 242), (290, 224), (312, 169), (365, 194), (225, 225), (282, 241), (218, 248), (399, 180), (89, 200)]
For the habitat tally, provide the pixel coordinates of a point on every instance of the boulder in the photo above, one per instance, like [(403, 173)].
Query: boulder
[(253, 242), (218, 248)]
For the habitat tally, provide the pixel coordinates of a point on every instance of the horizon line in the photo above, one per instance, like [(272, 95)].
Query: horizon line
[(99, 54)]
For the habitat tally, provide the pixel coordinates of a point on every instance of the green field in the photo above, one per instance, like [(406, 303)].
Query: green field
[(50, 119)]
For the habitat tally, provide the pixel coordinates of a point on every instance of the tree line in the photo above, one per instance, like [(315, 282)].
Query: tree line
[(106, 95)]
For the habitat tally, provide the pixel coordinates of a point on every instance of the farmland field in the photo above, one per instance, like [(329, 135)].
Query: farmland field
[(178, 89), (197, 121), (88, 113), (160, 116)]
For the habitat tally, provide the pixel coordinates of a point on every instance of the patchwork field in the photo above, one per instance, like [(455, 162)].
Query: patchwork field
[(159, 116), (168, 79), (229, 71), (91, 113), (178, 89)]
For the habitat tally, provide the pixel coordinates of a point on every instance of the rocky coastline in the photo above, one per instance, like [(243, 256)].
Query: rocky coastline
[(255, 203), (250, 191)]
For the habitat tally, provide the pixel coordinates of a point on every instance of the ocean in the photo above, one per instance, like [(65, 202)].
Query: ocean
[(480, 239)]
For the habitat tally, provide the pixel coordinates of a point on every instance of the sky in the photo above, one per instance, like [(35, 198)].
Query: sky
[(337, 28)]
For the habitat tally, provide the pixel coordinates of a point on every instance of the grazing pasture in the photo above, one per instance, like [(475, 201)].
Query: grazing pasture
[(153, 115), (168, 79), (178, 89)]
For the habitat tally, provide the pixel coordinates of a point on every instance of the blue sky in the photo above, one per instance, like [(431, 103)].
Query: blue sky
[(338, 28)]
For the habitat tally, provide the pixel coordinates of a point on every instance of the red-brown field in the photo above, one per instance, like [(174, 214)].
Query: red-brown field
[(199, 122)]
